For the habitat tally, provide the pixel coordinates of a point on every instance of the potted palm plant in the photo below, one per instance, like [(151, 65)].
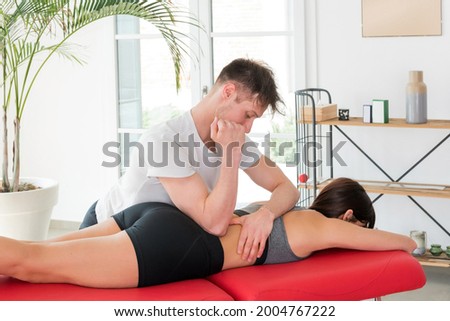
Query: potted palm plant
[(31, 32)]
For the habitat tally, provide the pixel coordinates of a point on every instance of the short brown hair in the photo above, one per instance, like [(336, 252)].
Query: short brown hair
[(257, 78)]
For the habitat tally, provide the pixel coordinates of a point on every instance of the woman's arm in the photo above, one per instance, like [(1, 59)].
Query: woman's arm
[(310, 231), (348, 235)]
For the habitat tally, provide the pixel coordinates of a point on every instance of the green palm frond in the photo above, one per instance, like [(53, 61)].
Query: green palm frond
[(71, 16), (66, 50), (162, 14), (25, 23)]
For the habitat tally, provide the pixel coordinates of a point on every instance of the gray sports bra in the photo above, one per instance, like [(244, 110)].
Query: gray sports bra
[(277, 248)]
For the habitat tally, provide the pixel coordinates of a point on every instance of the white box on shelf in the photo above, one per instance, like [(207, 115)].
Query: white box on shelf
[(367, 113), (380, 111)]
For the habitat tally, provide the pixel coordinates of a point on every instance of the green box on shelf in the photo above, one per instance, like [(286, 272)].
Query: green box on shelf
[(380, 111)]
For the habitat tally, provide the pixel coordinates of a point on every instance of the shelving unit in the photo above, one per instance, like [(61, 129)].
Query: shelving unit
[(399, 188), (307, 133), (439, 261), (311, 132), (393, 122)]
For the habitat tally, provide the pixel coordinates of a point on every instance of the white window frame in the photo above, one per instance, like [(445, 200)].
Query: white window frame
[(203, 10), (202, 64)]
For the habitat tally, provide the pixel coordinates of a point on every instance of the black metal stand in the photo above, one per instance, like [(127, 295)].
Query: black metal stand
[(307, 134)]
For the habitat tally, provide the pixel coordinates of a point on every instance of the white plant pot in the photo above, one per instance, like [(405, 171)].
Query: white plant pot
[(26, 215)]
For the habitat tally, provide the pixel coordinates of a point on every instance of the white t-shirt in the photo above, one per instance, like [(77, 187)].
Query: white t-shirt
[(170, 149)]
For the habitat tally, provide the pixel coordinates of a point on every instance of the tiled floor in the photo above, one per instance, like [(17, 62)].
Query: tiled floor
[(436, 289)]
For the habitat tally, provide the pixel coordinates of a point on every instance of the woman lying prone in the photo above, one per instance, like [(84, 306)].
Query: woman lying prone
[(154, 243)]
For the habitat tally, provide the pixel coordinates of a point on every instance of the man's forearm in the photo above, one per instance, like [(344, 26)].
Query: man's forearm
[(283, 198), (221, 201)]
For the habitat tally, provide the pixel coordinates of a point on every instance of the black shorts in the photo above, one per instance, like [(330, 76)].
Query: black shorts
[(169, 245)]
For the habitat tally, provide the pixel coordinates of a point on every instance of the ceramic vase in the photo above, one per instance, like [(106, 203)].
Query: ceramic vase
[(416, 98), (436, 249), (420, 237)]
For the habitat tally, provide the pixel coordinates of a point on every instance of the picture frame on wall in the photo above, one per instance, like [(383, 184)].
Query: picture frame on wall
[(391, 18)]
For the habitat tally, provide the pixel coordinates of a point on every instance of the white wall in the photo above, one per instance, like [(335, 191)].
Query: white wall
[(70, 115), (356, 70)]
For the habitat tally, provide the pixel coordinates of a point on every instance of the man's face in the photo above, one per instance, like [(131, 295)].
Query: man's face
[(241, 109)]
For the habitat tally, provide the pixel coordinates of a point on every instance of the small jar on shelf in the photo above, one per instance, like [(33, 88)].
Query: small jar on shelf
[(436, 249)]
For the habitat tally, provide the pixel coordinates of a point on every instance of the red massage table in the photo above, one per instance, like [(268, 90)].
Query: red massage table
[(335, 275)]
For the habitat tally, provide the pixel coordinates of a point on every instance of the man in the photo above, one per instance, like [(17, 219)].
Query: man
[(192, 161)]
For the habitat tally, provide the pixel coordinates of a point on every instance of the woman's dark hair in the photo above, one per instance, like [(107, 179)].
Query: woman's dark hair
[(341, 195), (254, 77)]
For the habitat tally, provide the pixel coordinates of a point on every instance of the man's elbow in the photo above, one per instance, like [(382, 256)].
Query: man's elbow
[(290, 189), (216, 229)]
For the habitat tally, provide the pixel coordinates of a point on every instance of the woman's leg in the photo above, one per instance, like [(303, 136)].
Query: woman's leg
[(105, 228), (104, 261)]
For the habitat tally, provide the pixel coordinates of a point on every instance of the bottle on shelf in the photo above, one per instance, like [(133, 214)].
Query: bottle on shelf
[(416, 98)]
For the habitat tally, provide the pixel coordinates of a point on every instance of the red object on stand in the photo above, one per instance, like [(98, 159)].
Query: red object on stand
[(303, 178)]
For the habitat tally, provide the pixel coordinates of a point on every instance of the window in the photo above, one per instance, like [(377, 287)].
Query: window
[(257, 29), (146, 83)]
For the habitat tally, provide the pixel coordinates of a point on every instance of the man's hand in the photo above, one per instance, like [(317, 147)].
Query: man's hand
[(256, 228), (227, 133)]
